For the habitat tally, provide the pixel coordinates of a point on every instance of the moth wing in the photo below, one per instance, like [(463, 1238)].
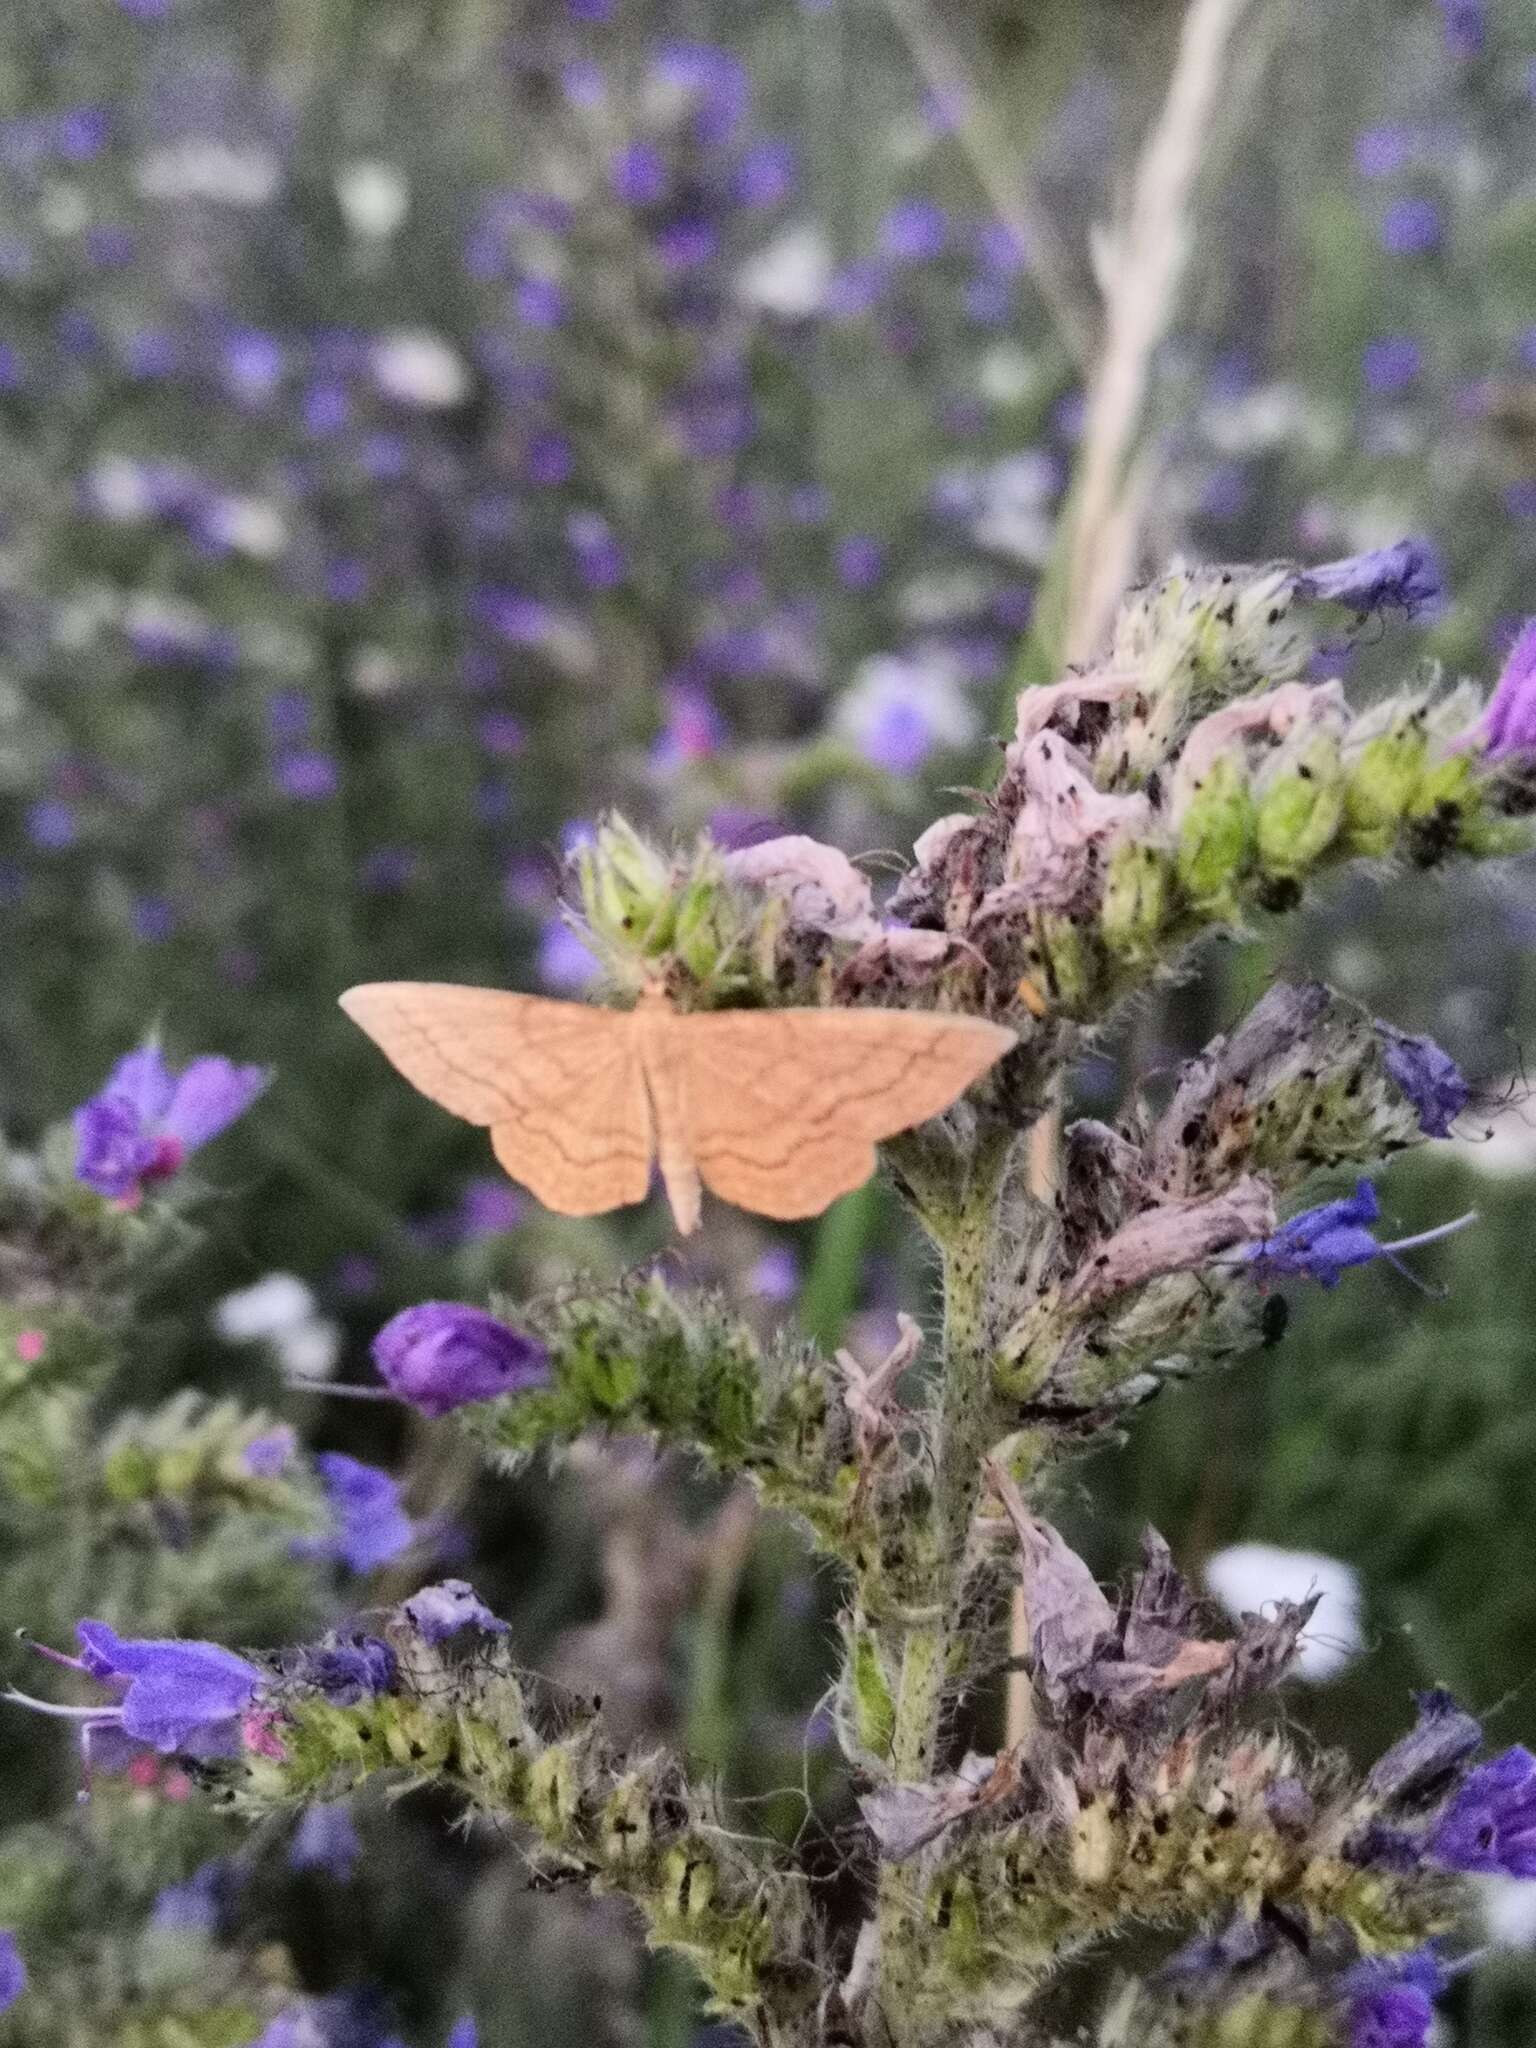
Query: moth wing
[(786, 1106), (559, 1084)]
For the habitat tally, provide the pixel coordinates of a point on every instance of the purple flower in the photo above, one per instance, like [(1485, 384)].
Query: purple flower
[(1381, 152), (347, 2019), (1432, 1751), (1405, 574), (52, 825), (540, 302), (914, 231), (1391, 2003), (441, 1355), (1318, 1244), (172, 1695), (13, 1971), (640, 174), (566, 962), (1490, 1824), (326, 1839), (438, 1612), (488, 1207), (1412, 227), (145, 1120), (766, 174), (599, 553), (551, 459), (686, 243), (266, 1456), (1391, 363), (1466, 26), (1427, 1075), (776, 1275), (714, 78), (308, 776), (193, 1907), (253, 364), (860, 561), (369, 1525), (463, 2034), (733, 827), (1508, 726), (346, 1672)]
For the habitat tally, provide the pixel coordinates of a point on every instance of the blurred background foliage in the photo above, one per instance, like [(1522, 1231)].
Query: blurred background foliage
[(425, 422)]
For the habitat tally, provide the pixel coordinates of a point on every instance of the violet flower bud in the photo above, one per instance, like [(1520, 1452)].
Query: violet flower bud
[(1320, 1243), (1405, 574), (369, 1525), (1490, 1824), (442, 1355), (1508, 726), (1427, 1075), (1391, 2003), (13, 1971), (144, 1121), (438, 1612)]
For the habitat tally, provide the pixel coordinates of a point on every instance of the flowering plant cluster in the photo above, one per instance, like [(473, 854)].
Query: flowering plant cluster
[(1196, 778)]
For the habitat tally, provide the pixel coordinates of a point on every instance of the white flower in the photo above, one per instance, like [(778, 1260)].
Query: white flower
[(1247, 1577), (1014, 515), (419, 368), (1502, 1145), (201, 168), (374, 198), (270, 1307), (279, 1310), (1509, 1910), (1006, 375), (247, 526), (309, 1352), (120, 489), (900, 707), (790, 275)]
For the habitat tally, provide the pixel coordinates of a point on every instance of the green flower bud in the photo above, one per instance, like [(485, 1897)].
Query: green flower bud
[(1301, 806), (128, 1474), (1068, 960), (1197, 638), (1450, 813), (1381, 781), (709, 926), (1216, 837), (553, 1793), (626, 891), (626, 1820), (1135, 906)]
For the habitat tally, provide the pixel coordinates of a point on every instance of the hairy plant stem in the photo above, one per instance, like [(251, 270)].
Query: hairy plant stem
[(964, 1228)]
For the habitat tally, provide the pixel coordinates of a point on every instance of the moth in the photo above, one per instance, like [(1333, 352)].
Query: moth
[(777, 1111)]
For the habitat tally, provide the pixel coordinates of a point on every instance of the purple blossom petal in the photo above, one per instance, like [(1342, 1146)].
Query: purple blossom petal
[(1391, 2001), (1508, 726), (346, 1672), (369, 1524), (1490, 1824), (1427, 1075), (326, 1839), (1404, 574), (113, 1152), (211, 1093), (13, 1971), (178, 1693), (440, 1611), (144, 1080), (442, 1355)]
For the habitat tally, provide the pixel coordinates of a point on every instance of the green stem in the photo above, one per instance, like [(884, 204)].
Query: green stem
[(969, 1422)]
